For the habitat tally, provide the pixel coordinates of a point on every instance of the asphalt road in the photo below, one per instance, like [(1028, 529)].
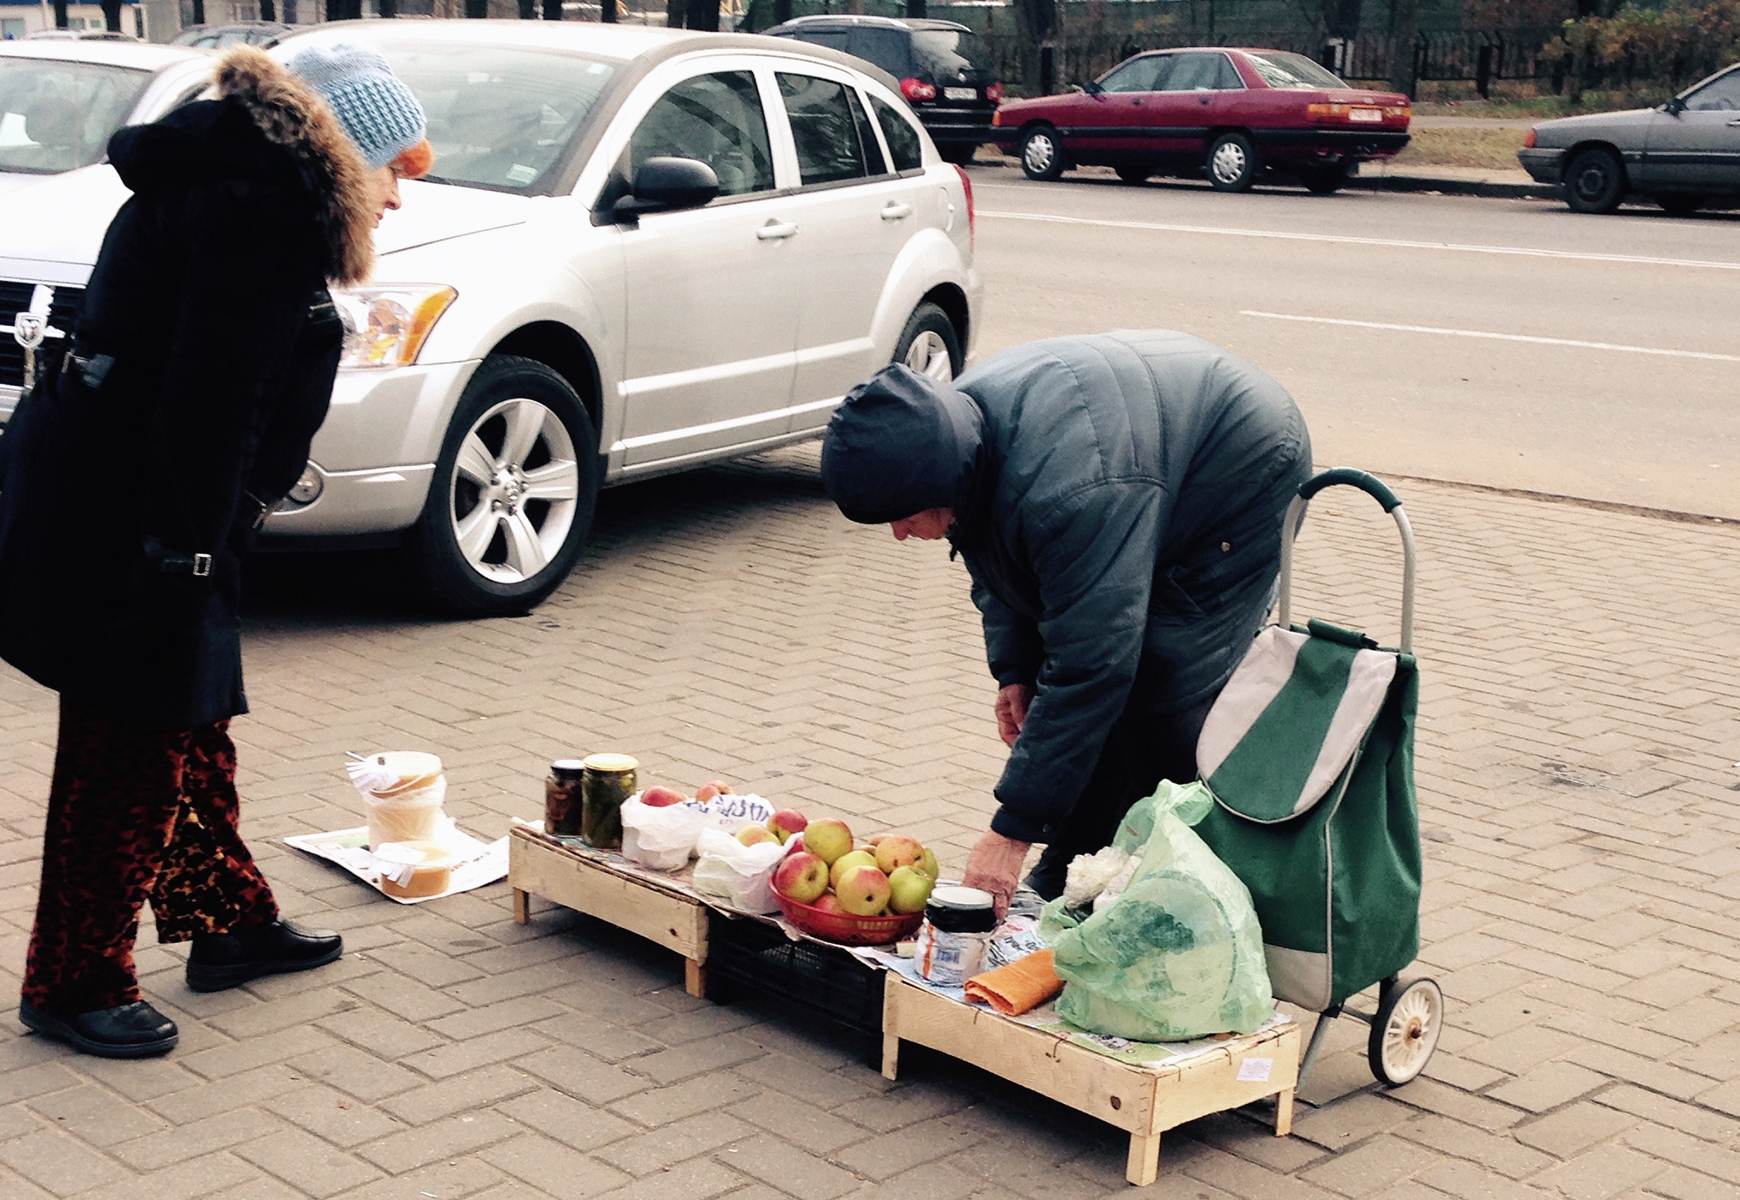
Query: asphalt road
[(1510, 343)]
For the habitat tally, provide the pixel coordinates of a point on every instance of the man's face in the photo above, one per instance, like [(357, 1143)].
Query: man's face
[(930, 525)]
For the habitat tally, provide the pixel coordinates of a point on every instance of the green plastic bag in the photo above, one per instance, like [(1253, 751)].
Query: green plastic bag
[(1179, 954)]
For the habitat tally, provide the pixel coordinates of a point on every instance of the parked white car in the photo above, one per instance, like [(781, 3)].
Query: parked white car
[(60, 100), (640, 250)]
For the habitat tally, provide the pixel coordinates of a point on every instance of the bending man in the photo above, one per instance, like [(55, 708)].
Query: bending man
[(1118, 501)]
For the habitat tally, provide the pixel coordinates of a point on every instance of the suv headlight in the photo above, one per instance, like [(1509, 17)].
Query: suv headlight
[(386, 326)]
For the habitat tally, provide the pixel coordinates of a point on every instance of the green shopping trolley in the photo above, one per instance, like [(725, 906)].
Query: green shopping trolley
[(1309, 753)]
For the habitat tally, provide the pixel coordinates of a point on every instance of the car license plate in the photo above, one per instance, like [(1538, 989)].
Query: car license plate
[(1367, 115), (960, 93)]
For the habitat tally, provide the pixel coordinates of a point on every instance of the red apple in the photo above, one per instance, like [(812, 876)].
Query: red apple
[(754, 835), (830, 904), (898, 850), (661, 797), (786, 822), (802, 877), (863, 892), (844, 863)]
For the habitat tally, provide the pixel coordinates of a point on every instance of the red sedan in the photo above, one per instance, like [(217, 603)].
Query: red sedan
[(1229, 114)]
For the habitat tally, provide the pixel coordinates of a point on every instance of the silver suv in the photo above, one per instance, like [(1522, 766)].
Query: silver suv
[(641, 250)]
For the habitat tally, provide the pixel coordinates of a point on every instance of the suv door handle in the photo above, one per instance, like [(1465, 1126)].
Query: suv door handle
[(775, 231), (894, 210)]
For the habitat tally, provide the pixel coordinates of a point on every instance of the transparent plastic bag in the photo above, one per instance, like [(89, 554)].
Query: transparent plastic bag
[(738, 874), (662, 838), (1178, 954)]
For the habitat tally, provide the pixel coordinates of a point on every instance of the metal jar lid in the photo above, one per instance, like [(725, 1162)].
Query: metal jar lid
[(610, 764), (955, 896), (567, 766)]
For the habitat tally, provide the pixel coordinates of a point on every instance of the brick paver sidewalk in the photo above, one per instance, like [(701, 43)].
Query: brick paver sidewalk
[(1577, 759)]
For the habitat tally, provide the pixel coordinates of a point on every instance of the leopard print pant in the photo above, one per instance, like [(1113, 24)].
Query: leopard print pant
[(135, 815)]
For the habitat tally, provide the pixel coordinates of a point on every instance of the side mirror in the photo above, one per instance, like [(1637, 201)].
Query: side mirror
[(1674, 107), (1092, 88), (667, 185)]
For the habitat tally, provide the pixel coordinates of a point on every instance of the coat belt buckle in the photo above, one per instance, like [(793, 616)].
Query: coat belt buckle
[(201, 565)]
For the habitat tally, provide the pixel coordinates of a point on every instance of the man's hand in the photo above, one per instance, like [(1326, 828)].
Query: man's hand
[(1012, 702), (995, 866)]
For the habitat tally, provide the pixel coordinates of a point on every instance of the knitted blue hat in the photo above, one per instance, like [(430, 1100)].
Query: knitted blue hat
[(376, 109)]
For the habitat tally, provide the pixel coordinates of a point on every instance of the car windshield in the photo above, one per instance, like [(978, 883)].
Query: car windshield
[(499, 118), (1282, 70), (56, 116), (952, 56)]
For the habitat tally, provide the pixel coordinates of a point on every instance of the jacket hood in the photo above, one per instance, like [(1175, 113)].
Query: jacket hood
[(899, 444), (267, 125)]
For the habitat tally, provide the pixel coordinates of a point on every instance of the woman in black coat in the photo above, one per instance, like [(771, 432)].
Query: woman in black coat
[(200, 369)]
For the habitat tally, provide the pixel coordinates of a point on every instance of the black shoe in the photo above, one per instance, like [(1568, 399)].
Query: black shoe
[(227, 960), (133, 1030)]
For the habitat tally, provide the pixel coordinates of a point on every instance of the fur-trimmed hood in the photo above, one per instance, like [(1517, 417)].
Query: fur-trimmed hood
[(213, 138)]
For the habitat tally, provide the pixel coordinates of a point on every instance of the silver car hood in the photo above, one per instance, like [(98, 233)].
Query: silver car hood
[(1627, 119), (61, 218)]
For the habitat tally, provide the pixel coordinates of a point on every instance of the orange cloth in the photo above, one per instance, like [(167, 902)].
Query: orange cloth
[(1019, 987)]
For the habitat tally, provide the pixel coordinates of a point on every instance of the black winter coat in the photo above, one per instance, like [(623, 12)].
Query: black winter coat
[(1118, 502), (201, 367)]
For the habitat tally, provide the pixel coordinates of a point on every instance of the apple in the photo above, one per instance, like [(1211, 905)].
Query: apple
[(908, 889), (706, 792), (753, 835), (827, 839), (786, 822), (863, 892), (662, 797), (928, 865), (844, 863), (876, 840), (802, 877), (829, 903), (897, 850)]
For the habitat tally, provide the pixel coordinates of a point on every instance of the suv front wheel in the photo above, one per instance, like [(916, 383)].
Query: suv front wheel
[(515, 488), (929, 344)]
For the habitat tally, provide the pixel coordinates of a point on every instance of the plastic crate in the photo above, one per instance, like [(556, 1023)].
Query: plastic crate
[(757, 957)]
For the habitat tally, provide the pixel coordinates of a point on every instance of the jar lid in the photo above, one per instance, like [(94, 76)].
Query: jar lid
[(960, 920), (952, 896), (613, 763), (568, 766)]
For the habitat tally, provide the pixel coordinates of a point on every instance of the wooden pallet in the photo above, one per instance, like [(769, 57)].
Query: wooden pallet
[(1145, 1101), (542, 866)]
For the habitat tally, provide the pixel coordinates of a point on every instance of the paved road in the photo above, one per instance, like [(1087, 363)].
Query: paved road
[(1502, 342)]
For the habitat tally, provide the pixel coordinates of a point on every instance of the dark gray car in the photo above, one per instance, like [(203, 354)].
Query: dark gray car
[(1684, 155)]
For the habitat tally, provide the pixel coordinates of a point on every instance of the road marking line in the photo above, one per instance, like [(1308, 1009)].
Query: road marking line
[(1497, 337), (1348, 240)]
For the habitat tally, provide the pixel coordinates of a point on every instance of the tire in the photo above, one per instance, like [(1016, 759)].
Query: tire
[(1680, 204), (1594, 181), (959, 153), (1323, 181), (1134, 172), (929, 344), (1405, 1030), (484, 546), (1231, 163), (1042, 154)]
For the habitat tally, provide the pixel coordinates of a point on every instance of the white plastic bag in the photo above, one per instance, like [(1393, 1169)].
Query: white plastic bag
[(730, 812), (662, 838), (738, 874)]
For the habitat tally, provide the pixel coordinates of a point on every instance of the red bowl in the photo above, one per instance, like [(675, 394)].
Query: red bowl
[(846, 929)]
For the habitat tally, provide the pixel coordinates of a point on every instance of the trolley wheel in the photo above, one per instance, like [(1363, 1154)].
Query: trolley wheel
[(1405, 1030)]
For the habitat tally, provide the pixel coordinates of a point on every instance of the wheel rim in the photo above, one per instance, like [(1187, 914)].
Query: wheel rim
[(929, 355), (514, 492), (1040, 154), (1592, 181), (1411, 1033), (1228, 163)]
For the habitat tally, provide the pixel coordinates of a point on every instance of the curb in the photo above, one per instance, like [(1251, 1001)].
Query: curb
[(1494, 188)]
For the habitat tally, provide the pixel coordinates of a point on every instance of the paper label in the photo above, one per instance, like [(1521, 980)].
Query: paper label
[(1255, 1070)]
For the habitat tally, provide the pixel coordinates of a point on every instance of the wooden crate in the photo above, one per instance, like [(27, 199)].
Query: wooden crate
[(1145, 1101), (542, 866)]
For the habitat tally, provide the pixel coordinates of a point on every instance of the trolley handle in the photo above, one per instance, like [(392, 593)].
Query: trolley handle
[(1366, 482), (1377, 490)]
